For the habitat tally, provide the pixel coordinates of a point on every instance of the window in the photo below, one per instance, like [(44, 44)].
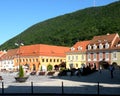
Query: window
[(100, 46), (94, 46), (57, 60), (42, 60), (72, 48), (68, 57), (20, 60), (106, 56), (26, 60), (54, 60), (89, 57), (100, 56), (72, 57), (106, 45), (94, 56), (50, 60), (82, 57), (76, 58), (89, 47), (114, 55), (46, 60), (79, 48), (36, 60), (33, 60)]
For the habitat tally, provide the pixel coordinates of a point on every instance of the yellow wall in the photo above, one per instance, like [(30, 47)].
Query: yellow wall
[(46, 60), (76, 59), (38, 61), (117, 60), (27, 60)]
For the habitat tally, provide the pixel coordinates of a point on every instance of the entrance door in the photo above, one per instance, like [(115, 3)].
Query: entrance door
[(34, 67)]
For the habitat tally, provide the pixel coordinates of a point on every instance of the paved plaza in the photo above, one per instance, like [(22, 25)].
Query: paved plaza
[(64, 84)]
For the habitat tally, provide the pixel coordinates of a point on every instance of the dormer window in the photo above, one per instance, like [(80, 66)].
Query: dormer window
[(94, 46), (89, 47), (100, 46), (118, 43), (72, 48), (79, 48), (99, 41), (107, 45), (105, 40)]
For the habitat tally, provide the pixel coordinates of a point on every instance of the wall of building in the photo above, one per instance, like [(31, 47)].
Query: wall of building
[(50, 60), (75, 60)]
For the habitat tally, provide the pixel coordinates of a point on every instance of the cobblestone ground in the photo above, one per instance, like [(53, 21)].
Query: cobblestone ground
[(65, 84)]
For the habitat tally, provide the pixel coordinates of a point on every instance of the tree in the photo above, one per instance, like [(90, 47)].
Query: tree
[(49, 67), (21, 71)]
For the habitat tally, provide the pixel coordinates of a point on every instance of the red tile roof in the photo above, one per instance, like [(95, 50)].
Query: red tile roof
[(43, 50), (81, 44), (1, 53), (102, 39), (10, 54), (111, 39)]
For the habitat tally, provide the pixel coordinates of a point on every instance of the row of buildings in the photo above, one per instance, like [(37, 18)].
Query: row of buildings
[(37, 57)]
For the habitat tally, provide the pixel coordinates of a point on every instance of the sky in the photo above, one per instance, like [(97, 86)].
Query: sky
[(18, 15)]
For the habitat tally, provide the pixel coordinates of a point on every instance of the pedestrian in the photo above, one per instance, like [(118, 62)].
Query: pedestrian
[(111, 68)]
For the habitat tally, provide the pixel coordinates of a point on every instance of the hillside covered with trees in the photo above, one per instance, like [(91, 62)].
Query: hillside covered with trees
[(67, 29)]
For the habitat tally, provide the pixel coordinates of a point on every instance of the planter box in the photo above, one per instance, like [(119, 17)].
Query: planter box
[(19, 79), (41, 73)]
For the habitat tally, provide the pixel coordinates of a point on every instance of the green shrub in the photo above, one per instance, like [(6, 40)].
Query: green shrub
[(21, 71), (49, 67)]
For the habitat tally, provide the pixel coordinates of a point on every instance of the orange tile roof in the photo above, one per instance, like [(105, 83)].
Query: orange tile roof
[(112, 39), (1, 52), (81, 44), (116, 44), (10, 54), (43, 50), (102, 39)]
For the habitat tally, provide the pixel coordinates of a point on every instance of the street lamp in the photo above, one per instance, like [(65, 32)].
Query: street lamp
[(19, 43)]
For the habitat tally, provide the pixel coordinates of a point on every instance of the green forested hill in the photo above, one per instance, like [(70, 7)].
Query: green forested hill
[(67, 29)]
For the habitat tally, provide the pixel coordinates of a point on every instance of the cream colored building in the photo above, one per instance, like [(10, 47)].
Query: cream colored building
[(76, 57)]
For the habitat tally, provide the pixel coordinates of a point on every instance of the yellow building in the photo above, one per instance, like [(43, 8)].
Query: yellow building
[(115, 56), (77, 55), (38, 57)]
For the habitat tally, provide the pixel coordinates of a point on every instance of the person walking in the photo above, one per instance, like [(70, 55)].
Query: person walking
[(111, 67)]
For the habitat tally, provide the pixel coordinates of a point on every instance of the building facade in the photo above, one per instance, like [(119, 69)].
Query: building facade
[(76, 56), (7, 60), (103, 48), (38, 57)]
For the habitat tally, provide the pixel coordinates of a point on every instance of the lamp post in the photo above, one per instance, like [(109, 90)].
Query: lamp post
[(21, 77), (19, 43)]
